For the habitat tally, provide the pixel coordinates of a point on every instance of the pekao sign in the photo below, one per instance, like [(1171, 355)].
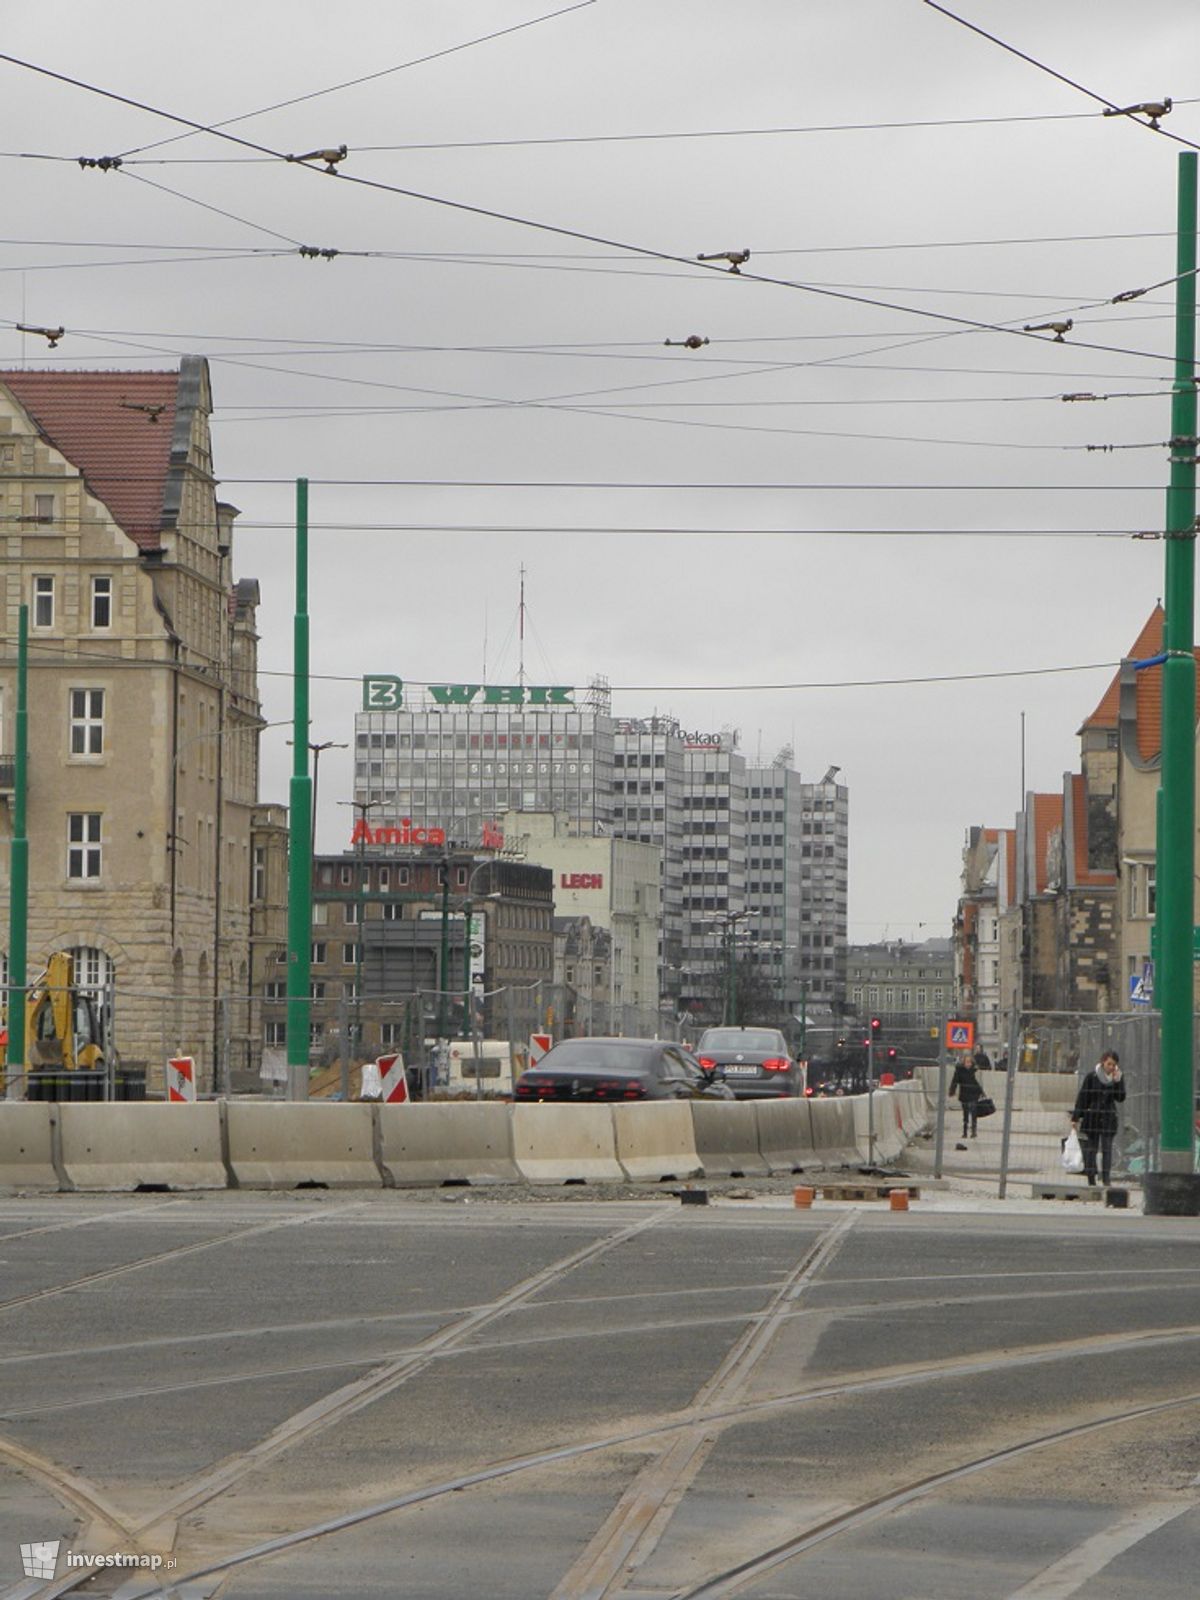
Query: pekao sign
[(383, 692)]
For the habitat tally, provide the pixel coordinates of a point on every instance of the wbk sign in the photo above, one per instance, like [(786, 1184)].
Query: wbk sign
[(386, 693)]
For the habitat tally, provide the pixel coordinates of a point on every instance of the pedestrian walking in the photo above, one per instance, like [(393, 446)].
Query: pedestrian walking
[(1095, 1115), (965, 1083)]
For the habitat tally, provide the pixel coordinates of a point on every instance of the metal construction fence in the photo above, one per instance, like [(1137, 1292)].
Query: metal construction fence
[(1033, 1088), (238, 1043)]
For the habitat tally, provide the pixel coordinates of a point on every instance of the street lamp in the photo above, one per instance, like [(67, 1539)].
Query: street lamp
[(361, 807), (317, 749)]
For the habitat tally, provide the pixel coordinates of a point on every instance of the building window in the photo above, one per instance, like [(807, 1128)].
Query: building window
[(87, 722), (350, 989), (101, 603), (259, 891), (43, 602), (275, 1035), (393, 911), (316, 991), (461, 875), (347, 875), (83, 844), (318, 954), (349, 954), (320, 913), (350, 912), (43, 508), (391, 1035), (276, 989)]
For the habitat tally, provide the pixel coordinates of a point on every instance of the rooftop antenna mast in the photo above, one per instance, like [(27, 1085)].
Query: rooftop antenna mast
[(521, 632)]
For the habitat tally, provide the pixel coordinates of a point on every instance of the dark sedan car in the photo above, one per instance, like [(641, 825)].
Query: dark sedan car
[(617, 1070), (755, 1062)]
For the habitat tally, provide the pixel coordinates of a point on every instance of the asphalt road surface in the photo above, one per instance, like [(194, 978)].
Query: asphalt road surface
[(551, 1398)]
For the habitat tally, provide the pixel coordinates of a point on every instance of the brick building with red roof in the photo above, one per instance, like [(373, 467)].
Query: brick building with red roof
[(144, 712), (1077, 927)]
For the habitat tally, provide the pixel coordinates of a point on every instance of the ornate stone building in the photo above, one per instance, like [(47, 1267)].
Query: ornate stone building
[(144, 713)]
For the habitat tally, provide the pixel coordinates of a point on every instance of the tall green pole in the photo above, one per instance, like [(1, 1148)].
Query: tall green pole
[(468, 1012), (18, 905), (300, 828), (1175, 1189)]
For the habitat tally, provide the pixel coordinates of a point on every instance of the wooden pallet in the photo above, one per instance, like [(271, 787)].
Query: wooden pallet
[(867, 1191), (1067, 1191)]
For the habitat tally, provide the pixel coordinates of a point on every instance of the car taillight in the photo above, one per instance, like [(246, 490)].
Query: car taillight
[(634, 1091), (706, 1062), (776, 1064), (603, 1088)]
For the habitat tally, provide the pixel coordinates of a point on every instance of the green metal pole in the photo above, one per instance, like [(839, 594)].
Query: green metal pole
[(18, 905), (1176, 1185), (300, 829)]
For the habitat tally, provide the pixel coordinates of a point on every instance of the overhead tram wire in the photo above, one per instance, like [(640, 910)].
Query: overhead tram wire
[(545, 227), (44, 646), (370, 77), (1054, 73), (603, 138), (189, 199)]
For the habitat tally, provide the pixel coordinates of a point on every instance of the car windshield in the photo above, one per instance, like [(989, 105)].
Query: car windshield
[(599, 1055), (743, 1039)]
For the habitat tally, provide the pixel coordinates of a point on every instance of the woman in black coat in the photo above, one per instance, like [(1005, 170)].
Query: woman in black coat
[(967, 1086), (1095, 1115)]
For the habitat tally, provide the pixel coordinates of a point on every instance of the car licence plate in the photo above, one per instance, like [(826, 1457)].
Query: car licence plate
[(739, 1067)]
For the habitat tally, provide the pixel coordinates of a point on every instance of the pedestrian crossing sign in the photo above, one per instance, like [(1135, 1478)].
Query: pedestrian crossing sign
[(960, 1036)]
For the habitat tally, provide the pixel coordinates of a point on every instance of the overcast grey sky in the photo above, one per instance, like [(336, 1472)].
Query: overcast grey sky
[(462, 347)]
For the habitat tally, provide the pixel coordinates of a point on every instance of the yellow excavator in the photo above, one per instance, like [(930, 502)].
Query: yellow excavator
[(64, 1028)]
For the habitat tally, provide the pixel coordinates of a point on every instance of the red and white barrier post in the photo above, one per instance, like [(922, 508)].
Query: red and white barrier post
[(181, 1079)]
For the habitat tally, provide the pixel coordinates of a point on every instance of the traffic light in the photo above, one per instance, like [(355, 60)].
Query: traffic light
[(876, 1028), (892, 1052)]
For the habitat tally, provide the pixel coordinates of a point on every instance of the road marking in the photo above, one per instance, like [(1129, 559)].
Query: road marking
[(1068, 1575)]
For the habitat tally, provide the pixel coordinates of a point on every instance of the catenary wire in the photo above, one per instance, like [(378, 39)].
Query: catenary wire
[(555, 228), (683, 688), (1053, 73), (371, 77)]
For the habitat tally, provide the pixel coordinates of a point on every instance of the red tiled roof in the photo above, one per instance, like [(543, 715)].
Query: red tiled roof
[(93, 418), (1084, 874), (1148, 685)]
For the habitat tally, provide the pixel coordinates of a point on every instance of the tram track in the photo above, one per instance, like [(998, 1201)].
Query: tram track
[(176, 1253), (722, 1416)]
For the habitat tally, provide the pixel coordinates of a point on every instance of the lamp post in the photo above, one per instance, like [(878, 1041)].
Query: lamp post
[(468, 915), (361, 807), (317, 750)]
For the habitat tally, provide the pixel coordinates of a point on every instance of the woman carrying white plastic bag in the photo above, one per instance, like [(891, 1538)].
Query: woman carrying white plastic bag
[(1072, 1153)]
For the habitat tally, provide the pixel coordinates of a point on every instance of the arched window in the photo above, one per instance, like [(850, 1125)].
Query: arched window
[(95, 972)]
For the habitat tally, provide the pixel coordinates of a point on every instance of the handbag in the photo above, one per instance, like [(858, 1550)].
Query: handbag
[(985, 1106), (1072, 1153)]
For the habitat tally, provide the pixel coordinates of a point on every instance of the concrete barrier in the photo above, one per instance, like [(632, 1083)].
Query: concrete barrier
[(565, 1144), (132, 1145), (27, 1145), (915, 1114), (785, 1136), (280, 1145), (726, 1134), (656, 1141), (888, 1141), (435, 1143), (833, 1132)]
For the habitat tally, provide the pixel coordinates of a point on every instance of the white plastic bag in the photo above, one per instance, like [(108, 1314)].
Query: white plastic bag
[(1072, 1154), (372, 1084)]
